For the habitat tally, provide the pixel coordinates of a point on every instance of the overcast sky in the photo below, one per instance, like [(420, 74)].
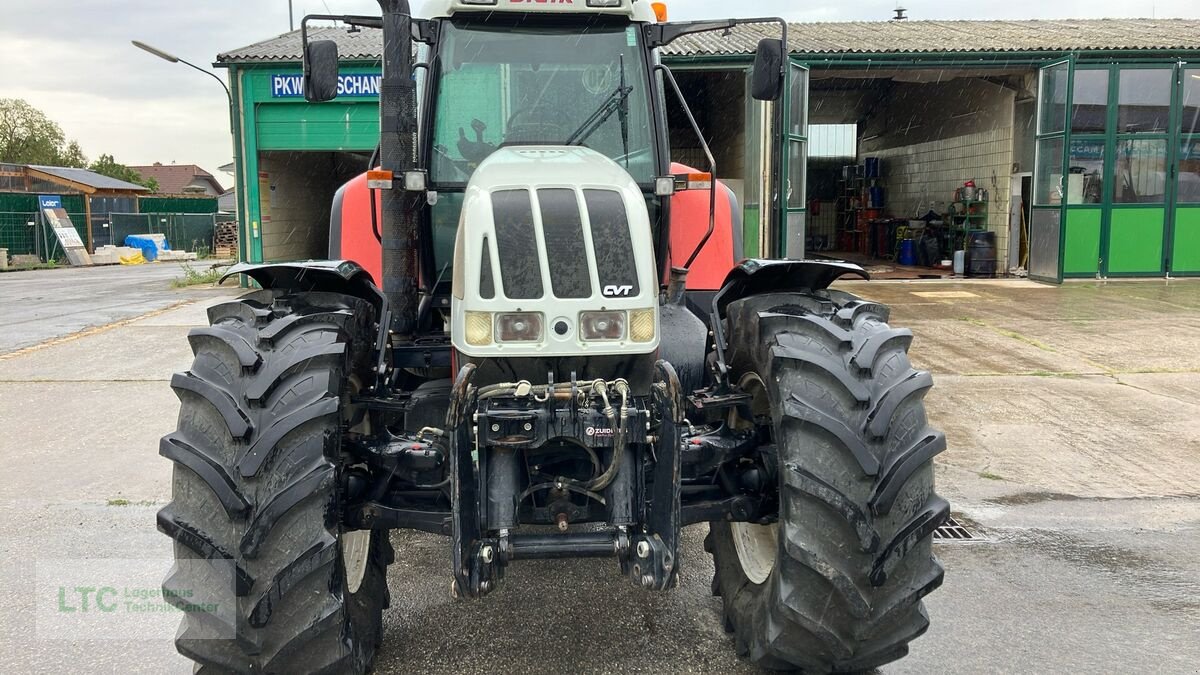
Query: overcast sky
[(73, 60)]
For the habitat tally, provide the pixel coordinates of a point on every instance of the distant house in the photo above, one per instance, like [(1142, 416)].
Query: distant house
[(181, 180)]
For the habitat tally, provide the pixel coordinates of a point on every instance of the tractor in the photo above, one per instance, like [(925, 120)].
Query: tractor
[(538, 338)]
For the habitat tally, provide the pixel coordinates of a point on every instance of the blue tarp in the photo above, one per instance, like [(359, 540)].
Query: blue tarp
[(148, 244)]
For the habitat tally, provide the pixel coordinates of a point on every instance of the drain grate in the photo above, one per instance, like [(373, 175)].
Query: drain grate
[(952, 530)]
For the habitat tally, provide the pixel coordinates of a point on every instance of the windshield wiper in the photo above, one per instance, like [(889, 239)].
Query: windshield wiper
[(618, 101)]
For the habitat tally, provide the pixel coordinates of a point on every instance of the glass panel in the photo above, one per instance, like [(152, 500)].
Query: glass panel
[(794, 247), (1141, 172), (1052, 99), (796, 174), (540, 84), (1189, 121), (1047, 189), (1089, 101), (1043, 243), (1085, 172), (1143, 100), (1189, 171), (797, 116)]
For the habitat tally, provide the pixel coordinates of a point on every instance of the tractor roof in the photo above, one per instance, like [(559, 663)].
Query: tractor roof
[(637, 10)]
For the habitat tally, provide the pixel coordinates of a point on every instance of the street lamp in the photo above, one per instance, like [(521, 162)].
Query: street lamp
[(233, 130), (171, 58)]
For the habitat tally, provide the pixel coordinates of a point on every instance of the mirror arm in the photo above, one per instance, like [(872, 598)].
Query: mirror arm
[(712, 165), (662, 34)]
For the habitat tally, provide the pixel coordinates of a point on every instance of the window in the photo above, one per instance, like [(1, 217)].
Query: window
[(833, 140), (1189, 171), (1141, 171), (1143, 100), (1052, 99), (528, 84), (1089, 102), (1048, 188), (1189, 121), (1085, 172)]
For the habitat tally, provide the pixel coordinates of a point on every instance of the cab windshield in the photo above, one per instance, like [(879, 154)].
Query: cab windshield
[(525, 84)]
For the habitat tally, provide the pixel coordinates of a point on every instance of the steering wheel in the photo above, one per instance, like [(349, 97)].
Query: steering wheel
[(538, 127)]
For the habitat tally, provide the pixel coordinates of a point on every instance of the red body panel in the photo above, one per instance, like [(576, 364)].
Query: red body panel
[(358, 242), (689, 222)]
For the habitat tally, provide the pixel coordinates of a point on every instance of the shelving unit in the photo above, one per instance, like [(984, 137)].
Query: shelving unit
[(974, 218)]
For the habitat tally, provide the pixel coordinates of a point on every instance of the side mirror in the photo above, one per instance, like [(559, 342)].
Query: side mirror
[(320, 70), (766, 82)]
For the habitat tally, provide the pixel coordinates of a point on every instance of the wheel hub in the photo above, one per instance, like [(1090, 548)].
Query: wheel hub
[(757, 546), (356, 550)]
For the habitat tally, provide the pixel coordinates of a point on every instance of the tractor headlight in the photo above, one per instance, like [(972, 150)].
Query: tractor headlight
[(602, 325), (519, 327), (478, 328), (641, 325)]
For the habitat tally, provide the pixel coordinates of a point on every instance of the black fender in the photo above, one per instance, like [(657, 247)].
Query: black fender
[(331, 276), (328, 276), (755, 276)]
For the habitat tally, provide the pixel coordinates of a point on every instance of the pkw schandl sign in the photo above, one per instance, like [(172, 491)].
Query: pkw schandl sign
[(359, 85)]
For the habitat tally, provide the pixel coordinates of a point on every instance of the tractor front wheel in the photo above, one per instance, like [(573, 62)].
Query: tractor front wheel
[(835, 585), (267, 578)]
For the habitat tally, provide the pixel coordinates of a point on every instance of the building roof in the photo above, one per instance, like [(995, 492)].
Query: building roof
[(89, 178), (853, 37), (173, 178)]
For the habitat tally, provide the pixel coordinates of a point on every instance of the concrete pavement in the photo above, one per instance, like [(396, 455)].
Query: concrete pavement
[(39, 305), (1073, 453)]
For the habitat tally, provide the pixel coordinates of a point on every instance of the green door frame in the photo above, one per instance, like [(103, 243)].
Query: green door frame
[(792, 198), (1114, 137), (1111, 137), (1185, 215), (1042, 138)]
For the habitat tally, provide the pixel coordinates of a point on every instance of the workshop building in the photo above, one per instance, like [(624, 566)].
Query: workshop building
[(1062, 148)]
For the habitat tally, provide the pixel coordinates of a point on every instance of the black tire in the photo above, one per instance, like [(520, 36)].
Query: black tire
[(256, 490), (856, 502)]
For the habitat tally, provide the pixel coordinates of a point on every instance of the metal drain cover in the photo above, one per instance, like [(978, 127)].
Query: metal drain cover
[(952, 531)]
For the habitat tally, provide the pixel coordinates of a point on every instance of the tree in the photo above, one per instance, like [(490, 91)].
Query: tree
[(27, 136), (107, 166)]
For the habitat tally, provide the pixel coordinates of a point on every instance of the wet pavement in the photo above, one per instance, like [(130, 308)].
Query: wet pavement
[(39, 305), (1074, 436)]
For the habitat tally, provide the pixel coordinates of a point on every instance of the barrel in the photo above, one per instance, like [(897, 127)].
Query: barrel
[(981, 254), (875, 197), (908, 254)]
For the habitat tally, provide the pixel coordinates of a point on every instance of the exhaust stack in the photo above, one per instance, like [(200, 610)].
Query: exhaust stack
[(398, 153)]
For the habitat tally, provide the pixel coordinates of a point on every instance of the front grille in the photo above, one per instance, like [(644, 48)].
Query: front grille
[(516, 244), (612, 243), (566, 255)]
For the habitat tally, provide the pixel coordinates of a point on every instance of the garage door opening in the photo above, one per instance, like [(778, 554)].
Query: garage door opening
[(296, 190)]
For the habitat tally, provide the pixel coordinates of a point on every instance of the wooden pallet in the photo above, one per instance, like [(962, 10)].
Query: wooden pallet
[(225, 240)]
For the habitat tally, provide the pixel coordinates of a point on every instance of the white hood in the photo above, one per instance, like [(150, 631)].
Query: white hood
[(564, 230)]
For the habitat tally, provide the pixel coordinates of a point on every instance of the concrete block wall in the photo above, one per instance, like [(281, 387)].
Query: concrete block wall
[(934, 136), (916, 176)]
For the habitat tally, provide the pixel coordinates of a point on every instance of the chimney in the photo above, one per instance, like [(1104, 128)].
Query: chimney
[(899, 14)]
